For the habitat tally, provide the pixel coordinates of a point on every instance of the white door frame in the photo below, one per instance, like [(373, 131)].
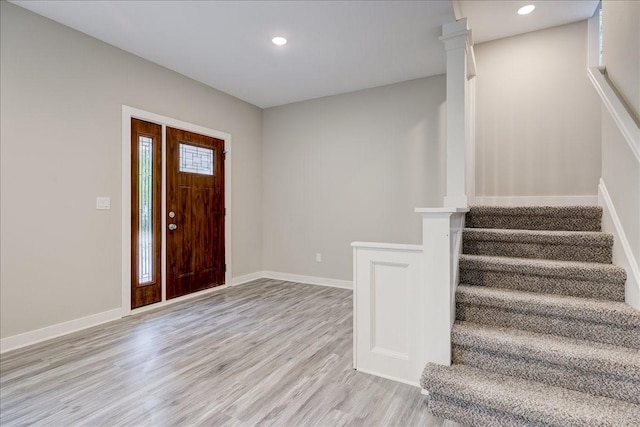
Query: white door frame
[(127, 114)]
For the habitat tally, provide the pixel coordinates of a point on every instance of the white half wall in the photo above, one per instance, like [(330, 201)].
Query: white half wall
[(61, 103), (537, 116), (350, 168)]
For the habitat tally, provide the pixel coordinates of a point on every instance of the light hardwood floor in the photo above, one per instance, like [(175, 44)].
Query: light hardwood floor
[(264, 353)]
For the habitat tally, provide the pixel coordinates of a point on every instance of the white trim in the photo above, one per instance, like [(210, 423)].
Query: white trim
[(623, 119), (536, 200), (388, 246), (593, 37), (457, 10), (163, 221), (125, 203), (611, 224), (127, 114), (33, 337), (309, 280), (446, 210), (239, 280)]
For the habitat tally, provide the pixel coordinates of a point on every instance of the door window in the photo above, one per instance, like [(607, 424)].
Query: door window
[(195, 159)]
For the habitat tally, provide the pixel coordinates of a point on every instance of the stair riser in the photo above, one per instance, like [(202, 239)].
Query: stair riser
[(556, 375), (567, 327), (543, 284), (538, 251), (549, 223), (473, 415)]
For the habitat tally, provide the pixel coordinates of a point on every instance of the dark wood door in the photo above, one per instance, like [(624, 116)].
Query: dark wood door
[(146, 228), (195, 212)]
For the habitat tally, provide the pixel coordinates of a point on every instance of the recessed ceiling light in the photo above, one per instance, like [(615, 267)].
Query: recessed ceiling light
[(279, 41), (525, 10)]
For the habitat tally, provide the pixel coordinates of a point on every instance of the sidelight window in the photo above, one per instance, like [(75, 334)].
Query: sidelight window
[(145, 206)]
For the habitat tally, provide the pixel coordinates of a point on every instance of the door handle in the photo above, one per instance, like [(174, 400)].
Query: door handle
[(172, 227)]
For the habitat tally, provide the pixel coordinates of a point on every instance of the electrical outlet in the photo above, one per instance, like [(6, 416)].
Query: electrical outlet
[(318, 257)]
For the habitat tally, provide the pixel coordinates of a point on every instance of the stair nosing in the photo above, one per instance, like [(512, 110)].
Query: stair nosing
[(564, 237), (587, 212), (592, 271)]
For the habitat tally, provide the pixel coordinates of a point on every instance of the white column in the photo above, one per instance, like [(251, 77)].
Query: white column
[(471, 140), (456, 37)]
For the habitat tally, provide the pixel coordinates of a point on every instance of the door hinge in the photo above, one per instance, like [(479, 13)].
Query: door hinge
[(224, 154), (225, 268), (225, 211)]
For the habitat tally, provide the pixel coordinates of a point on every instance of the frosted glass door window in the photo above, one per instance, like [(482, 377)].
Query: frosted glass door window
[(145, 203), (196, 159)]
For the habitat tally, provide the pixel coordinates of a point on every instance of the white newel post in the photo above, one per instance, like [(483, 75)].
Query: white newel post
[(404, 295), (441, 234), (456, 37)]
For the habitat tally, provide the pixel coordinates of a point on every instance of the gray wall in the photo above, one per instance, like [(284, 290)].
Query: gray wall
[(621, 48), (538, 117), (350, 168), (61, 97)]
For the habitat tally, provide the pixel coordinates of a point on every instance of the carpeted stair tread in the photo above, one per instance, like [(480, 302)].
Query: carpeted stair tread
[(590, 367), (587, 319), (587, 355), (586, 246), (475, 415), (555, 211), (520, 402), (550, 237), (573, 218), (591, 271), (611, 312)]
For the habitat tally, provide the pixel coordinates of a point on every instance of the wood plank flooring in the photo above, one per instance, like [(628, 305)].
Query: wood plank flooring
[(264, 353)]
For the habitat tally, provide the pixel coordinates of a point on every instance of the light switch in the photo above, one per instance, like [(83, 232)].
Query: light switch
[(103, 203)]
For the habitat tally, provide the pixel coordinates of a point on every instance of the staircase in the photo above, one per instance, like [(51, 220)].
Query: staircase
[(542, 334)]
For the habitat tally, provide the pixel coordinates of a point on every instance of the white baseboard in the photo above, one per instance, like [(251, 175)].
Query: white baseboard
[(536, 200), (33, 337), (622, 254), (239, 280), (310, 280)]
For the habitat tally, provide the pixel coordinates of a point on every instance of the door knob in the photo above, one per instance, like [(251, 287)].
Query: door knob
[(172, 227)]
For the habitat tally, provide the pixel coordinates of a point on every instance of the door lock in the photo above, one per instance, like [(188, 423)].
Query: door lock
[(172, 214), (172, 227)]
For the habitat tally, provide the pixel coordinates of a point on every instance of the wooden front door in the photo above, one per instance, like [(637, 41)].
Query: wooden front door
[(195, 212)]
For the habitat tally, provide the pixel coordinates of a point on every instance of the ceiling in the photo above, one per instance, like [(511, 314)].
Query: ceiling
[(496, 19), (334, 46)]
